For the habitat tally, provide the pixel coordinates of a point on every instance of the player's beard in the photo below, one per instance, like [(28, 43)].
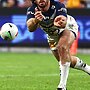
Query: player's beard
[(43, 3)]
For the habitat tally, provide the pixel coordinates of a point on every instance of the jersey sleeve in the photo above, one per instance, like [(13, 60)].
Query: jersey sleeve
[(61, 10), (30, 12)]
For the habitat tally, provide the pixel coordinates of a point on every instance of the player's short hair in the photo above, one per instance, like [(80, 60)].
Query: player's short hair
[(34, 0)]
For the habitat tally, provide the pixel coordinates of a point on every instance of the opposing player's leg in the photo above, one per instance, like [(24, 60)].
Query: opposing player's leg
[(77, 63)]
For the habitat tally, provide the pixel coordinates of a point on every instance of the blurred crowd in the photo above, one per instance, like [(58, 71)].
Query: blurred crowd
[(27, 3), (15, 3), (76, 3)]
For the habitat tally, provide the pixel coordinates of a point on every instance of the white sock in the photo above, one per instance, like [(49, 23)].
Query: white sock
[(82, 66), (79, 64), (64, 74)]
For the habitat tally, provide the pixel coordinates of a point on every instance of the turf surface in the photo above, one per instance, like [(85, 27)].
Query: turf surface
[(29, 71)]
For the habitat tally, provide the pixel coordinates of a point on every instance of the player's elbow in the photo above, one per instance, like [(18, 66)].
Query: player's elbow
[(30, 27)]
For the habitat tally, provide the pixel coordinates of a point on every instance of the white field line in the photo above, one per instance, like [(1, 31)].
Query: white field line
[(28, 75), (12, 67), (39, 75), (14, 88)]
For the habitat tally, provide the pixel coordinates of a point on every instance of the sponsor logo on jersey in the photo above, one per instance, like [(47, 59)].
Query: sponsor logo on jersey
[(30, 12), (63, 10)]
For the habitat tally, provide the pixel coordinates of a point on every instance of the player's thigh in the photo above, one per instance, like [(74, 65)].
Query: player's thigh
[(66, 39)]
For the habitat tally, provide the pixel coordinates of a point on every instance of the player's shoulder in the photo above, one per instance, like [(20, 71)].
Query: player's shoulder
[(59, 4), (31, 8)]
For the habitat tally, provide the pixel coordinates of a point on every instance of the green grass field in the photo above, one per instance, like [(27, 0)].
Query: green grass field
[(29, 71)]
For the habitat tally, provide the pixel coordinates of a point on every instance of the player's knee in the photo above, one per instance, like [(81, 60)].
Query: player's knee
[(63, 53), (62, 48)]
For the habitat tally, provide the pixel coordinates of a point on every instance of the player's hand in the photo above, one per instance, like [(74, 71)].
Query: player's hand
[(60, 21), (38, 15)]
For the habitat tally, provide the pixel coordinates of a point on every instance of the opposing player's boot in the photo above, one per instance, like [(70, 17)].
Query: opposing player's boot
[(86, 68), (61, 89)]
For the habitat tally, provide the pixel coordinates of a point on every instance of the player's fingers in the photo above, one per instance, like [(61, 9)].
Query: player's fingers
[(39, 17), (63, 18), (37, 13), (36, 9), (60, 17), (57, 19), (56, 24)]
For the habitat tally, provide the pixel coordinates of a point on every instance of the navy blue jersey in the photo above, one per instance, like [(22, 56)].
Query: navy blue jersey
[(56, 9), (59, 7)]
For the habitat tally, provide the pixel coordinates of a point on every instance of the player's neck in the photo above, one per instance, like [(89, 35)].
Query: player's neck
[(46, 8)]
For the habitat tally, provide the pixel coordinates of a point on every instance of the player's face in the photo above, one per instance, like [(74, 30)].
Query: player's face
[(42, 3)]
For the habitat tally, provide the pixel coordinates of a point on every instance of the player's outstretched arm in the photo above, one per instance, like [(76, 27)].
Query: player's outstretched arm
[(32, 24)]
